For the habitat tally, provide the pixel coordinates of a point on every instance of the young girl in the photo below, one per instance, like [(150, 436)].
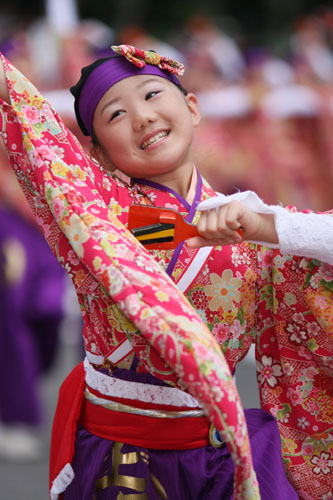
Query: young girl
[(138, 435)]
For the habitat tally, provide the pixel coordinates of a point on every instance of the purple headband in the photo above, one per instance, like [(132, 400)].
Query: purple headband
[(105, 76)]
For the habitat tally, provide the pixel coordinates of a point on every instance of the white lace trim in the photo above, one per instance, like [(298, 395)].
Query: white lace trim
[(62, 481), (304, 235), (147, 393)]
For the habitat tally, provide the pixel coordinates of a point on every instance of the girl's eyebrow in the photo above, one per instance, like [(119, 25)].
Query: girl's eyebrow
[(113, 101), (139, 85)]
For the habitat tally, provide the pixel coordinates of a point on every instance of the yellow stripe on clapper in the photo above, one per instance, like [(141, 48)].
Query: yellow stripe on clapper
[(167, 233)]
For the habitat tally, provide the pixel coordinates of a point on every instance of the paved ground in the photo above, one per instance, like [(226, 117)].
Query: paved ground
[(30, 481)]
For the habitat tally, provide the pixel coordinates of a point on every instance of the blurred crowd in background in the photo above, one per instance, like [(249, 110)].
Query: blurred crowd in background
[(267, 123)]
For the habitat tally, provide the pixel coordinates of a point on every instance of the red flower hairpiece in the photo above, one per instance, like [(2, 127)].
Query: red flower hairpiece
[(142, 57)]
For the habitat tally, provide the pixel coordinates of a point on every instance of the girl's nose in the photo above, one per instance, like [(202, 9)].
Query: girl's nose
[(142, 118)]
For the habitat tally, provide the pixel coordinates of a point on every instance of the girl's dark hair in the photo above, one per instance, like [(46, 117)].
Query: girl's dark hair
[(77, 88)]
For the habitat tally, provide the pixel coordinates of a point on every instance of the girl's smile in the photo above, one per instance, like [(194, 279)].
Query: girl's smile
[(154, 139)]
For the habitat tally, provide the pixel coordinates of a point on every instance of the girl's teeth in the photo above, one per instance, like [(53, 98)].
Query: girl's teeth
[(154, 139)]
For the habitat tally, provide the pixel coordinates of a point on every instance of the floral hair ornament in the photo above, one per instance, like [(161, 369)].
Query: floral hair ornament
[(141, 57)]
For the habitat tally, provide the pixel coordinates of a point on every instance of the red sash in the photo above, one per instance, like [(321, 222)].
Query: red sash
[(177, 433)]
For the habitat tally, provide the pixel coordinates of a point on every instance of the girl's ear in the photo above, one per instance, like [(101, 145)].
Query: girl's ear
[(193, 106), (101, 157)]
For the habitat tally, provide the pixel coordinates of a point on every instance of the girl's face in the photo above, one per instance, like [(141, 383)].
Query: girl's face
[(144, 126)]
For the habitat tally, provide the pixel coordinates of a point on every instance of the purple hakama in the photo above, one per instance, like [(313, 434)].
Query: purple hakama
[(109, 470)]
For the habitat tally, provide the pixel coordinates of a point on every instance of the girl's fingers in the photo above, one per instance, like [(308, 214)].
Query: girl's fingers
[(213, 227), (219, 227), (234, 213)]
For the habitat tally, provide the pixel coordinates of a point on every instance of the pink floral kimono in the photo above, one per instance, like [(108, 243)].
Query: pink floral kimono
[(135, 316)]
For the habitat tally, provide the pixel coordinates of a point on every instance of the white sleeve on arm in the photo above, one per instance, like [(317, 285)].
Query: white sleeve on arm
[(304, 235), (307, 235)]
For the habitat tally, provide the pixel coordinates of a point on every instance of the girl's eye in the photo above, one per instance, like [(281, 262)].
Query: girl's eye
[(115, 114), (149, 95)]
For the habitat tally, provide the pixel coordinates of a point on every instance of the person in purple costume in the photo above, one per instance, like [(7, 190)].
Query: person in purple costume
[(31, 292)]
